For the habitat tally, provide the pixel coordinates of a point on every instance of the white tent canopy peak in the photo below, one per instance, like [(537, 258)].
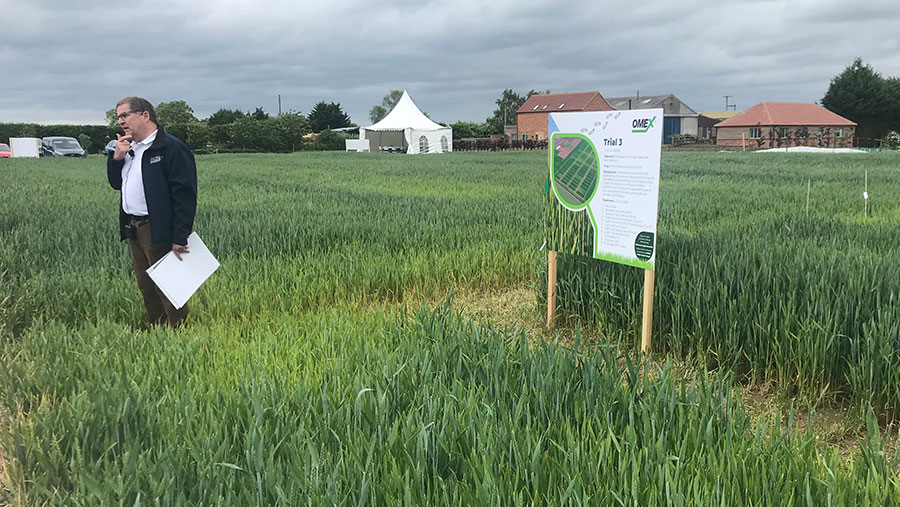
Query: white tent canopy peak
[(405, 115)]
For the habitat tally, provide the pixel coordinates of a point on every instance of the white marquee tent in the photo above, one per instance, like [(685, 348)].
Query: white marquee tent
[(406, 129)]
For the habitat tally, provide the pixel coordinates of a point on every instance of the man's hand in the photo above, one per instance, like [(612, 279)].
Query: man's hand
[(123, 144), (180, 249)]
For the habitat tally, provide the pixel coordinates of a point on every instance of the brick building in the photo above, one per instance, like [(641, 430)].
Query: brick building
[(785, 124), (531, 118)]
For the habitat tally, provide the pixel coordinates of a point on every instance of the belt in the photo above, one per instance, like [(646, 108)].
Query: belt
[(137, 218)]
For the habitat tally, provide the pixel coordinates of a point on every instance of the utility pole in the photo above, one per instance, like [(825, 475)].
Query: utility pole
[(732, 106), (279, 104)]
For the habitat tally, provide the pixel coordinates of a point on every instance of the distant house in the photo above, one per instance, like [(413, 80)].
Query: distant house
[(531, 118), (678, 118), (706, 121), (784, 124)]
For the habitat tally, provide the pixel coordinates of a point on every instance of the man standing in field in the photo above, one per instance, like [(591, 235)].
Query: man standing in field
[(157, 177)]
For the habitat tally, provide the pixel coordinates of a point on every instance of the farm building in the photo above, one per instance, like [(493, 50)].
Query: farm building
[(707, 120), (531, 118), (785, 124), (678, 118)]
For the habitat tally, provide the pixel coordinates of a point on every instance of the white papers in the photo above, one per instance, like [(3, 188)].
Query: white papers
[(179, 280)]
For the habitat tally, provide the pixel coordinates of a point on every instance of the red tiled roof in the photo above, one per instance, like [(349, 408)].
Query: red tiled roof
[(551, 103), (785, 113)]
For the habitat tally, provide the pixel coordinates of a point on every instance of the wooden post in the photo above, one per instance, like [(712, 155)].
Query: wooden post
[(743, 142), (551, 287), (647, 328)]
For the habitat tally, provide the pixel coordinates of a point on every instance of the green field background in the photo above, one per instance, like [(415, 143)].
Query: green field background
[(325, 362)]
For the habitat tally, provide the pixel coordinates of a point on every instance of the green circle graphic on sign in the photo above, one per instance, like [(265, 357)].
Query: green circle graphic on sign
[(643, 245), (574, 169)]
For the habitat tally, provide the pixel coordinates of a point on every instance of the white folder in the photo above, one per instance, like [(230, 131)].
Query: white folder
[(179, 280)]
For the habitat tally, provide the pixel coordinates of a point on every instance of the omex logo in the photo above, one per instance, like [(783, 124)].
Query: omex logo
[(641, 125)]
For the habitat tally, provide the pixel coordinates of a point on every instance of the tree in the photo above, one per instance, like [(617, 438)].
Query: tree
[(892, 140), (892, 93), (377, 113), (858, 93), (196, 135), (111, 119), (85, 141), (177, 111), (387, 104), (225, 116), (252, 135), (469, 129), (390, 100), (259, 114), (507, 105), (327, 116), (801, 135), (329, 140), (290, 128)]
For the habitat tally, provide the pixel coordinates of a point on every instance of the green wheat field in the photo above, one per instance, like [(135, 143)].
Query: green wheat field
[(357, 345)]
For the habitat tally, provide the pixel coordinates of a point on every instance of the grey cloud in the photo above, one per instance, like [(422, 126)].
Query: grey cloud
[(454, 58)]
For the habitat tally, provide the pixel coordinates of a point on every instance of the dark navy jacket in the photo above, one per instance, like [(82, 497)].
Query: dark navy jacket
[(170, 186)]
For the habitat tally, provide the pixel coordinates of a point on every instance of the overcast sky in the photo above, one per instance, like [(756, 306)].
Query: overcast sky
[(69, 61)]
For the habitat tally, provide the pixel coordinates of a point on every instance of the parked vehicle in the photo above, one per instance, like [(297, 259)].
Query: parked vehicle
[(57, 146), (110, 147), (5, 152)]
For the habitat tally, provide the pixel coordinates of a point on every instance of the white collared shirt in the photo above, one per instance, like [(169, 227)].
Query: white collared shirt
[(134, 202)]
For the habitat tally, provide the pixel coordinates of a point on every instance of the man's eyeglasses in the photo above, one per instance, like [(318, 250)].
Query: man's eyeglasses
[(125, 114)]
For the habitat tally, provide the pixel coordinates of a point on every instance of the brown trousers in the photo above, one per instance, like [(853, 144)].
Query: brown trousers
[(159, 310)]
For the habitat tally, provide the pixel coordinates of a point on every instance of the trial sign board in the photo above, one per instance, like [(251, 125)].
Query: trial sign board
[(607, 163)]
